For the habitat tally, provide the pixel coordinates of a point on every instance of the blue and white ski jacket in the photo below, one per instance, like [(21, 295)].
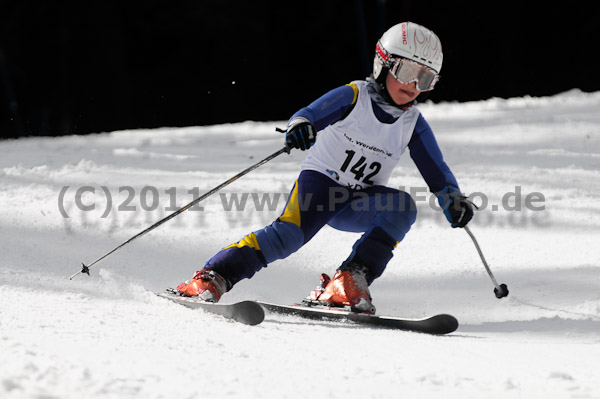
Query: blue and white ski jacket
[(361, 137)]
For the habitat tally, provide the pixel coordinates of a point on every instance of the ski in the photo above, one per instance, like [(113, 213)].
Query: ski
[(245, 312), (438, 324)]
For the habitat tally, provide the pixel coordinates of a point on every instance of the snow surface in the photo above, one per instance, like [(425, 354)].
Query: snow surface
[(108, 336)]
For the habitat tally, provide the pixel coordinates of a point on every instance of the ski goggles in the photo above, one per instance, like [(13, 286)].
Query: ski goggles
[(407, 71)]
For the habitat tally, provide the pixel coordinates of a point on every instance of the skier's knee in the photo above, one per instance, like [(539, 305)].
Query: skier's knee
[(279, 240), (397, 222)]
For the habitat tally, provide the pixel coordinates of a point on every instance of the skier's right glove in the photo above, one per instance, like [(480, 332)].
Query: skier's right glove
[(300, 134)]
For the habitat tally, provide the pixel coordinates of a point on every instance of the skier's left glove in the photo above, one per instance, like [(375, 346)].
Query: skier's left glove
[(300, 134), (457, 208)]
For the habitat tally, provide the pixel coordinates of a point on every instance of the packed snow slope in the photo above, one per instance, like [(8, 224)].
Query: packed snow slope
[(532, 164)]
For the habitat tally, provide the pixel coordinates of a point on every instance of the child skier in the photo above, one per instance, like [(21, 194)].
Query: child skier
[(355, 135)]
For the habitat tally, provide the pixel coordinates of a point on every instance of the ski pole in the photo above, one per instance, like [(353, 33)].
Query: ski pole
[(86, 268), (501, 290)]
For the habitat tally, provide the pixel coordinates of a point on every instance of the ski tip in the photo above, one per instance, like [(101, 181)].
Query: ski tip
[(446, 324), (245, 312), (250, 313)]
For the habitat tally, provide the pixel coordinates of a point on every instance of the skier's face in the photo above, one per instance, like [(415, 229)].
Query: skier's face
[(401, 93)]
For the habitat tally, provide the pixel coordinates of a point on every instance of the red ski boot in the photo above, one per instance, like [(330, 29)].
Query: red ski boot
[(347, 288), (206, 284)]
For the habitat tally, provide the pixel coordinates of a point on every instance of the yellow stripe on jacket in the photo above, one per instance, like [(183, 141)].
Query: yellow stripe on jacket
[(355, 88)]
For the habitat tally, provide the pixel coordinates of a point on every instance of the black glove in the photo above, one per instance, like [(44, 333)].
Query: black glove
[(457, 208), (301, 134)]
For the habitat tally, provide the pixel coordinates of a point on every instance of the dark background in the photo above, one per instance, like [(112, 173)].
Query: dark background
[(93, 66)]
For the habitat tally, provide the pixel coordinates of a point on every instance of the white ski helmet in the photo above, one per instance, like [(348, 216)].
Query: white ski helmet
[(407, 40)]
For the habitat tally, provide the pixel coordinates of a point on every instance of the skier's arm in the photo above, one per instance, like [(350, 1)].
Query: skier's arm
[(426, 154), (329, 108)]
